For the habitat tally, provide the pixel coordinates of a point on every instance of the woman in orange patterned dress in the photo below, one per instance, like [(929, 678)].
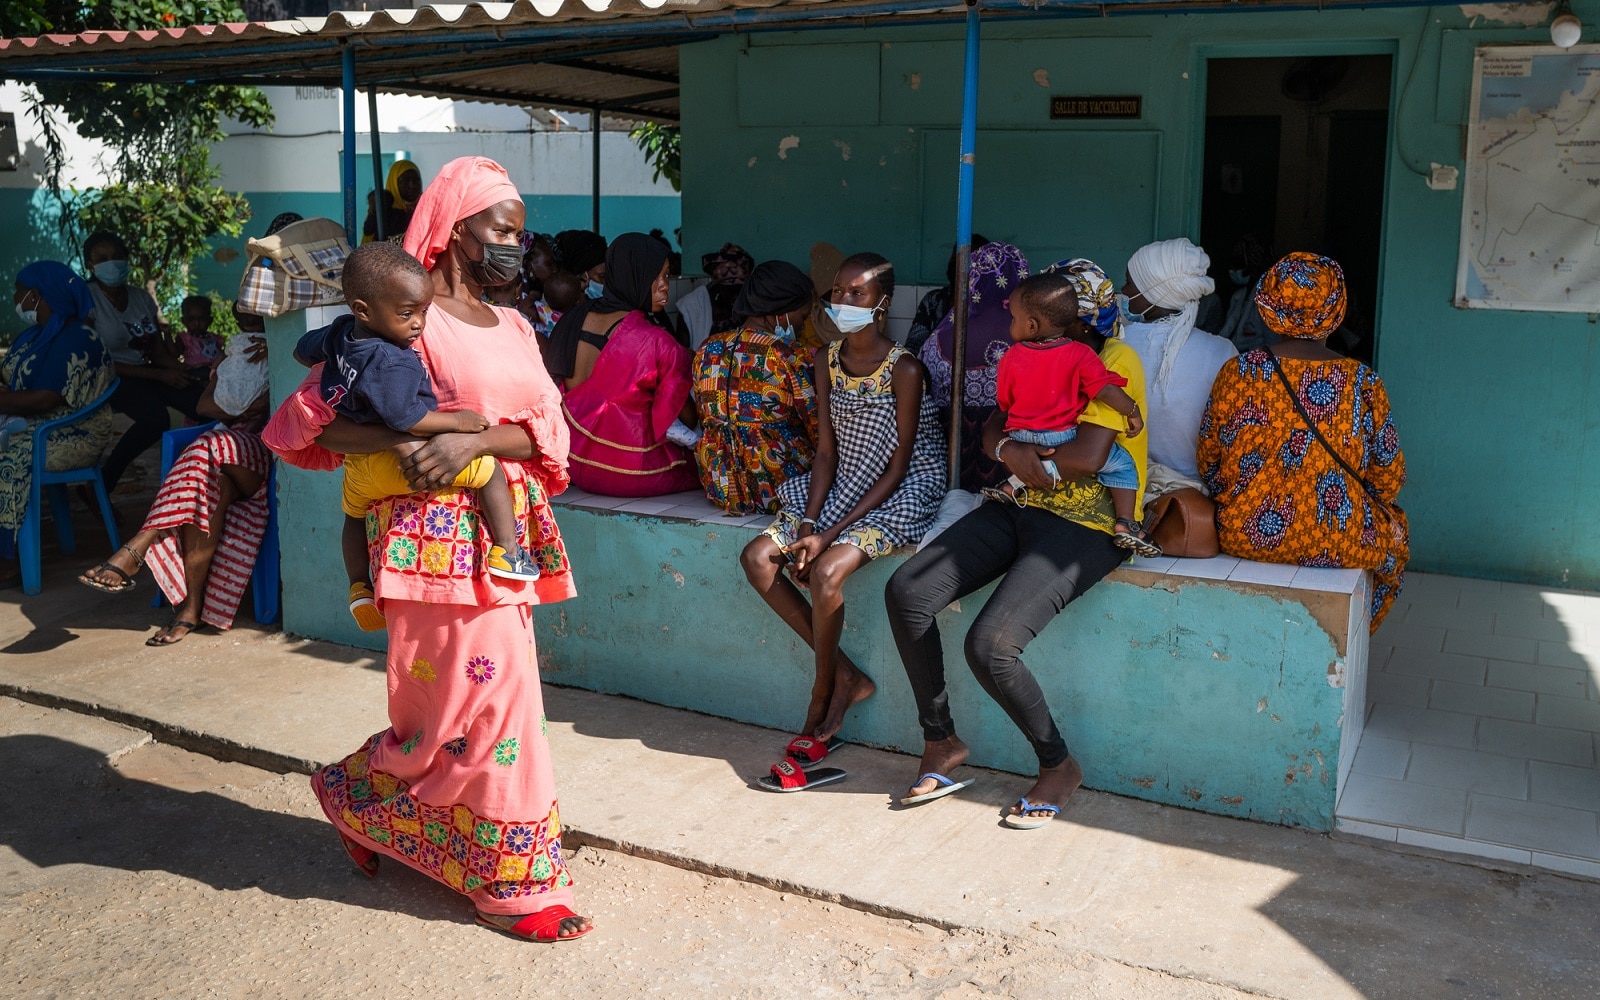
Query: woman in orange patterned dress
[(1298, 446)]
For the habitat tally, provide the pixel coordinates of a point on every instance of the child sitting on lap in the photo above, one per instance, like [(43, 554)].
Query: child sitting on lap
[(373, 375), (1045, 382)]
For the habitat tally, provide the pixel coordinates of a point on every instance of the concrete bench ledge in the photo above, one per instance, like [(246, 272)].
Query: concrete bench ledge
[(1221, 684), (693, 507)]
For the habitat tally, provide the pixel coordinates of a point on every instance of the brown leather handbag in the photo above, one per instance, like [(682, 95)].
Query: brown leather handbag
[(1184, 524)]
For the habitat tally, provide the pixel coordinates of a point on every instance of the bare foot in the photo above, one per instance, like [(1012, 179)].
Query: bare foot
[(940, 757), (815, 712), (1055, 787), (569, 927), (850, 687)]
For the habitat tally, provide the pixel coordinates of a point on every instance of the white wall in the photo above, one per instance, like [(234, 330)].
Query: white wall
[(301, 152)]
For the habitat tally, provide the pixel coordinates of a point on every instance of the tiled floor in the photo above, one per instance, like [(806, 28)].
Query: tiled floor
[(1483, 733)]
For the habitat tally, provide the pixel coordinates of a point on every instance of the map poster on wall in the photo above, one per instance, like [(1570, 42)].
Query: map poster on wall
[(1530, 217)]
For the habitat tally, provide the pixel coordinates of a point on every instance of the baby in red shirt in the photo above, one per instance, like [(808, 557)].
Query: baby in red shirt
[(1045, 382)]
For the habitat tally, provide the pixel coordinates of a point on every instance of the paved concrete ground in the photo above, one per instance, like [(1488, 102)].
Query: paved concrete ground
[(1203, 899), (133, 869)]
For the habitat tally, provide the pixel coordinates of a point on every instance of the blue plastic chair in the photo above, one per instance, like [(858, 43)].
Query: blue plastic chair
[(264, 576), (30, 545)]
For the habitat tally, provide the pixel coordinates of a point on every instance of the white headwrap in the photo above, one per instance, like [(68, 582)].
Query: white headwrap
[(1171, 274)]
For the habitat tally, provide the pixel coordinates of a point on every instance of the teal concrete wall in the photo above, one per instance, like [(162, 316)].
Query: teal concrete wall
[(1153, 697), (30, 221), (849, 136)]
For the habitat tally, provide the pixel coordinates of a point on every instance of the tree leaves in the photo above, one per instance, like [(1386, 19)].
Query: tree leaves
[(160, 191), (662, 148)]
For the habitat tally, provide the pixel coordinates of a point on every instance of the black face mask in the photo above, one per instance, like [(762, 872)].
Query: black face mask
[(501, 263)]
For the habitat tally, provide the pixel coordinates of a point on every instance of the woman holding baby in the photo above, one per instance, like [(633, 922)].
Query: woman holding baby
[(460, 785)]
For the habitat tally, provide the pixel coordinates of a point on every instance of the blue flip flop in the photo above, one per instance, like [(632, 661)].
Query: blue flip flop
[(1022, 821), (946, 786)]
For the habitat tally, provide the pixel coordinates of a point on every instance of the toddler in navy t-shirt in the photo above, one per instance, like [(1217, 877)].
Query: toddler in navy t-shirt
[(373, 375)]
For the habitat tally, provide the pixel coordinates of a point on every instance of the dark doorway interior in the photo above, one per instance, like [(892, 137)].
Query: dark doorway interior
[(1295, 150)]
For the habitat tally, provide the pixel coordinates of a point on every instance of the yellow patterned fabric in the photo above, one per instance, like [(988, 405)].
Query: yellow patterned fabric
[(1085, 501)]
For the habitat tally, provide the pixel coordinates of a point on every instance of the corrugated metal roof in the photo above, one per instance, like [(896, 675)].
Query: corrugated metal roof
[(620, 56)]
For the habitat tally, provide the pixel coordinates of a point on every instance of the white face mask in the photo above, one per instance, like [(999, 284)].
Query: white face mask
[(112, 273), (28, 316), (849, 319)]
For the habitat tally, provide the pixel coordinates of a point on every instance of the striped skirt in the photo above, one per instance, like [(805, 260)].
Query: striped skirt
[(189, 495)]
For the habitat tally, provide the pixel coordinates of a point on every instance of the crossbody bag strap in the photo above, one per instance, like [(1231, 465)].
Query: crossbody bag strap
[(1294, 397)]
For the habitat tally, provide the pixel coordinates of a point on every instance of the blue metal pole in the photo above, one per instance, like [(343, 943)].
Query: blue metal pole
[(347, 178), (963, 296)]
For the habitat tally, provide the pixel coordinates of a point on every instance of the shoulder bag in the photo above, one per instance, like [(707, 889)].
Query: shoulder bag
[(298, 267)]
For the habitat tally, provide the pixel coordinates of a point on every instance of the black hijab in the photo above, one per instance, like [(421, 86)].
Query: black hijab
[(775, 287), (633, 262)]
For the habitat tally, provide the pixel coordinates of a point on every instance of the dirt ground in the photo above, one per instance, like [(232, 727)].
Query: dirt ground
[(161, 873)]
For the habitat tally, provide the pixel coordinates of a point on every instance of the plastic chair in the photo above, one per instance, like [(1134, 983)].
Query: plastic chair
[(30, 545), (264, 575)]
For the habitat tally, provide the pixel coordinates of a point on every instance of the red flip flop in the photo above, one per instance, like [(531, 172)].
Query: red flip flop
[(788, 776), (543, 926)]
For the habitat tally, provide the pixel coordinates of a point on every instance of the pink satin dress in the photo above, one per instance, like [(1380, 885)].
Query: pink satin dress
[(620, 415)]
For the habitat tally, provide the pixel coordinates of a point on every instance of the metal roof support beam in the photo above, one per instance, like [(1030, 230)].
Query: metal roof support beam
[(964, 185), (347, 180), (377, 167), (594, 130), (589, 65), (650, 98)]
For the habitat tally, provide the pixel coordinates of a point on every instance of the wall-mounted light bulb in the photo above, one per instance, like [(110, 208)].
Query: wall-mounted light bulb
[(1566, 30)]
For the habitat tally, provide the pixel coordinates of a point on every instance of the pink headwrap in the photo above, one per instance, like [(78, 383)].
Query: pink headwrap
[(465, 187)]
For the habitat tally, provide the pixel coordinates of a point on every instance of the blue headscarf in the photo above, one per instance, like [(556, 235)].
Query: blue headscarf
[(1097, 295), (64, 292)]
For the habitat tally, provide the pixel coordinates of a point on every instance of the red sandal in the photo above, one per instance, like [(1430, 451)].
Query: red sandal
[(542, 926), (788, 776), (808, 752), (365, 858)]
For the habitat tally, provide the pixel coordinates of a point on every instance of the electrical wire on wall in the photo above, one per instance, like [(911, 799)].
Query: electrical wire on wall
[(1400, 103)]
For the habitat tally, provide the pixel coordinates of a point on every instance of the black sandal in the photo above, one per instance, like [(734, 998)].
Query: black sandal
[(128, 582), (155, 640), (1135, 539)]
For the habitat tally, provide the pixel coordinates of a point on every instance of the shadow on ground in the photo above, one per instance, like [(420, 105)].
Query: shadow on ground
[(66, 805)]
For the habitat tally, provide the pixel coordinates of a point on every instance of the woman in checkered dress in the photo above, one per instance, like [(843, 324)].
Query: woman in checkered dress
[(875, 485)]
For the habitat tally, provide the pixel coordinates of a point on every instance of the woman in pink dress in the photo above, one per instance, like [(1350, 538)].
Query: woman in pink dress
[(460, 785), (626, 380)]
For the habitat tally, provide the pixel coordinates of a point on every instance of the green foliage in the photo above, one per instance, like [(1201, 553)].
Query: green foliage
[(160, 191), (662, 145)]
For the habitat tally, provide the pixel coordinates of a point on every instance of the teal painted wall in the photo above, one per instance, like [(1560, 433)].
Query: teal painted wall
[(1153, 699), (29, 218), (849, 136)]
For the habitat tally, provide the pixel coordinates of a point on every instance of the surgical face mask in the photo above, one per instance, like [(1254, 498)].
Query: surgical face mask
[(785, 329), (1127, 315), (28, 316), (849, 319), (594, 289), (1238, 277), (112, 272), (501, 264)]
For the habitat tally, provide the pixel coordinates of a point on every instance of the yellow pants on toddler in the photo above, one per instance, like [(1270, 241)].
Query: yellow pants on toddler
[(377, 475)]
